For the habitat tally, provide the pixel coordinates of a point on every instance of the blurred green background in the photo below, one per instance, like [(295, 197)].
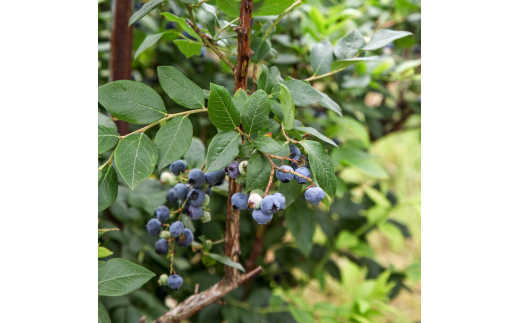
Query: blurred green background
[(364, 262)]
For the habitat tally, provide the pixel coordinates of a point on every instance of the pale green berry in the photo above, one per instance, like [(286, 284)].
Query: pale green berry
[(206, 201), (165, 177), (206, 217), (254, 201), (242, 168), (165, 235), (173, 180), (163, 280)]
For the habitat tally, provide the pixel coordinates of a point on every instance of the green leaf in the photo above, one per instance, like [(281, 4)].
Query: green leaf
[(260, 8), (102, 314), (240, 99), (179, 88), (291, 191), (265, 80), (322, 57), (301, 316), (321, 166), (149, 6), (103, 252), (107, 187), (196, 154), (188, 47), (347, 47), (148, 42), (267, 145), (226, 261), (221, 109), (300, 221), (173, 140), (131, 101), (258, 171), (208, 261), (316, 134), (107, 138), (286, 101), (182, 23), (119, 277), (256, 112), (344, 63), (359, 160), (276, 109), (229, 7), (384, 37), (104, 120), (260, 48), (222, 150), (328, 103), (136, 157), (302, 93)]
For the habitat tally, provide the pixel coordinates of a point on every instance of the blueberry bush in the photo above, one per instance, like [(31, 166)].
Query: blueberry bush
[(232, 194)]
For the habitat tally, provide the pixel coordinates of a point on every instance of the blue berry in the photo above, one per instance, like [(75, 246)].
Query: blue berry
[(178, 167), (195, 212), (209, 190), (196, 196), (232, 170), (153, 227), (216, 178), (171, 198), (282, 176), (202, 52), (239, 201), (174, 282), (314, 195), (301, 161), (280, 198), (270, 204), (196, 178), (180, 191), (260, 217), (186, 240), (161, 247), (176, 229), (187, 35), (170, 25), (295, 151), (162, 213), (305, 172)]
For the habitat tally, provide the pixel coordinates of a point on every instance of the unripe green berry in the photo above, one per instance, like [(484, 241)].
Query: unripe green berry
[(254, 201), (206, 217), (173, 180), (242, 168), (163, 279), (165, 235), (166, 177), (206, 201)]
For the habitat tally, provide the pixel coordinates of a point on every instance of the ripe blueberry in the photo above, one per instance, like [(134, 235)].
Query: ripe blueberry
[(282, 176), (196, 196), (194, 212), (270, 204), (314, 195), (209, 190), (216, 178), (295, 151), (301, 161), (242, 167), (170, 25), (254, 201), (187, 35), (196, 178), (153, 227), (232, 170), (239, 201), (303, 171), (261, 218), (161, 247), (175, 282), (176, 229), (186, 240), (162, 213), (178, 167), (280, 198), (180, 191), (171, 198), (202, 52)]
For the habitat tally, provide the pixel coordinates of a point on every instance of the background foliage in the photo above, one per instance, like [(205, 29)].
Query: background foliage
[(357, 260)]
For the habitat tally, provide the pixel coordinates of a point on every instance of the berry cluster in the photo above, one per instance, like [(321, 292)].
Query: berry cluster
[(264, 207)]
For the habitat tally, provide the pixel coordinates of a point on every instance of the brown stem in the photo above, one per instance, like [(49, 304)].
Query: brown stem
[(244, 52), (232, 236)]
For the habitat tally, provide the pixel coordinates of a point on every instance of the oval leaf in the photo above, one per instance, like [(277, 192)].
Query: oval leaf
[(226, 261), (322, 57), (256, 112), (286, 101), (179, 88), (119, 277), (321, 166), (267, 145), (302, 93), (222, 150), (221, 109), (107, 138), (107, 187), (131, 101), (102, 314), (149, 6), (384, 37), (173, 140), (316, 134), (136, 157), (347, 47)]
